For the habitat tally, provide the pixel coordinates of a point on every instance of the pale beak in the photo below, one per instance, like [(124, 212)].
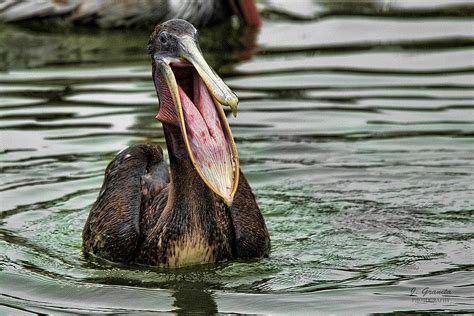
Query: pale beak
[(214, 155)]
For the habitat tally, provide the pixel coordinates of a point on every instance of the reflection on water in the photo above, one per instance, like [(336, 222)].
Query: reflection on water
[(20, 48), (190, 299), (355, 130)]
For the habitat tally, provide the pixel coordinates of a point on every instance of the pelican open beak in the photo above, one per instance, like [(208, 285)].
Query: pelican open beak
[(191, 97)]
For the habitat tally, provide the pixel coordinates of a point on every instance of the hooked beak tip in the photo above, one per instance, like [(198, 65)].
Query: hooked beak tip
[(232, 102)]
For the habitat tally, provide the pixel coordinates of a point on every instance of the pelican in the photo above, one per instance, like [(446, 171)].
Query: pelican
[(199, 210), (127, 13)]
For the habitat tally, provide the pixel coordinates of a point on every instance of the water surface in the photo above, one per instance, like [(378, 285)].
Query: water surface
[(355, 130)]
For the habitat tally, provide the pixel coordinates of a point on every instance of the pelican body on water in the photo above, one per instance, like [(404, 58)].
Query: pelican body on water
[(199, 210)]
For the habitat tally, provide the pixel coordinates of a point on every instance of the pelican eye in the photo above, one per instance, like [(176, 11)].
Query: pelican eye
[(164, 37)]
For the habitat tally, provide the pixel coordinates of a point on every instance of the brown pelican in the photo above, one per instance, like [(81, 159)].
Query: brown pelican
[(127, 13), (200, 211)]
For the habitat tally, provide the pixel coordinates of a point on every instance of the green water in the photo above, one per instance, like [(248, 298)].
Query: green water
[(355, 130)]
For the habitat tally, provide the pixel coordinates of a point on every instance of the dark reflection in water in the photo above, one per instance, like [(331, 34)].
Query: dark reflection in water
[(194, 298), (188, 286), (222, 46), (355, 130)]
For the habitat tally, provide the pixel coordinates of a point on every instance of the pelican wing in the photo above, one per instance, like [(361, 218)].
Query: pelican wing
[(18, 10)]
